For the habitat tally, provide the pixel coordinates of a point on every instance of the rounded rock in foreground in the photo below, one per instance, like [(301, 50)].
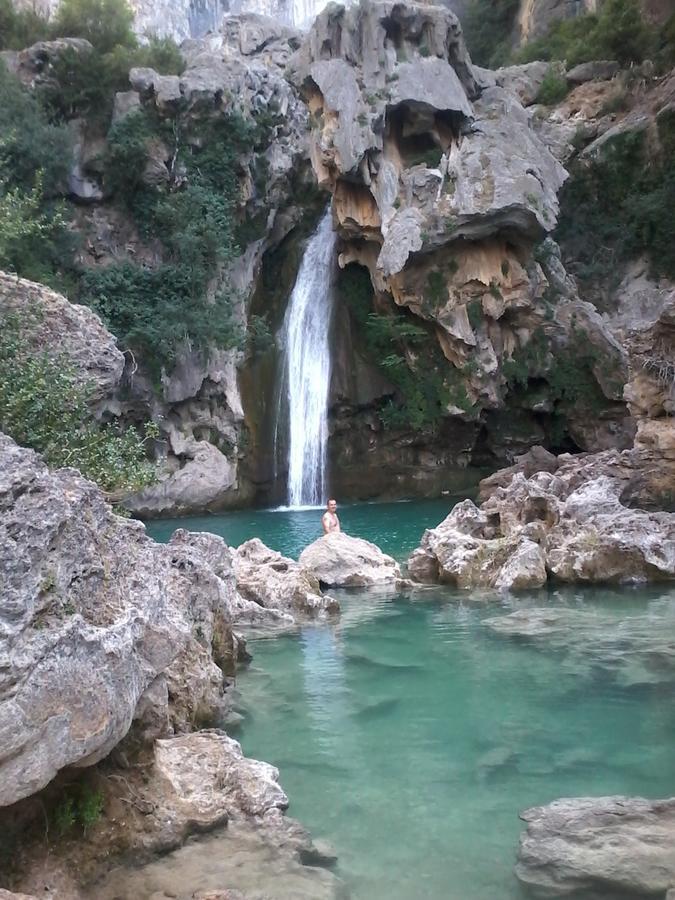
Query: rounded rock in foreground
[(339, 560), (584, 844)]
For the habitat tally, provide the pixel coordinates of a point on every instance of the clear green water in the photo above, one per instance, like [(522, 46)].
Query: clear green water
[(410, 735)]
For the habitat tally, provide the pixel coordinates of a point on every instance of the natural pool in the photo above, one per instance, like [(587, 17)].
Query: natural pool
[(409, 734)]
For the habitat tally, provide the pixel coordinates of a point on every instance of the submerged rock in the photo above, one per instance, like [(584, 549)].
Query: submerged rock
[(606, 844), (338, 560), (638, 650)]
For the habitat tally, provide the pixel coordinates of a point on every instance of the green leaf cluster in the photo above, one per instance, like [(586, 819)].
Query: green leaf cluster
[(45, 405), (157, 311), (617, 206), (76, 805), (34, 163), (488, 30), (618, 31), (408, 355), (84, 83)]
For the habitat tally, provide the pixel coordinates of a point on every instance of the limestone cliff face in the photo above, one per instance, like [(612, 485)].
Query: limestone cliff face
[(445, 193)]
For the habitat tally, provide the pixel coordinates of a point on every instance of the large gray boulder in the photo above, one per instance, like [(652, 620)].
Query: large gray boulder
[(339, 560), (465, 551), (275, 582), (94, 626), (609, 845)]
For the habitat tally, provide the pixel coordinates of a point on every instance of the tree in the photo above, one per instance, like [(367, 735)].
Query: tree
[(106, 24)]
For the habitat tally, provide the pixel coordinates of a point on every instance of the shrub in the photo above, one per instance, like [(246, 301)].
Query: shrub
[(34, 163), (553, 89), (488, 30), (106, 24), (617, 206), (394, 342), (44, 405), (20, 28), (618, 32), (157, 311)]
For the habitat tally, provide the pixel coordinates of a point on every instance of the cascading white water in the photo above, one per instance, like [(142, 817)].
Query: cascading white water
[(307, 367)]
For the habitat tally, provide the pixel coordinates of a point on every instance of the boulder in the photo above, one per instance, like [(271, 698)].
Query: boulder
[(524, 81), (609, 845), (94, 622), (208, 780), (339, 560), (465, 550), (49, 322), (598, 70), (566, 520), (275, 582)]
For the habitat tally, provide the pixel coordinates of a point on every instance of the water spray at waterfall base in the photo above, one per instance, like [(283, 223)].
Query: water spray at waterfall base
[(307, 367)]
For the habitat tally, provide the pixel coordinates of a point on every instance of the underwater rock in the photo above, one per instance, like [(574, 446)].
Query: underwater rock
[(338, 560), (606, 844)]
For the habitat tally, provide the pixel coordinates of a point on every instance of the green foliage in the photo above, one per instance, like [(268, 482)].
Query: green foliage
[(618, 205), (553, 88), (45, 405), (156, 311), (488, 30), (431, 158), (34, 162), (617, 32), (409, 356), (568, 371), (106, 24), (78, 805), (474, 311), (20, 28), (259, 337), (84, 83)]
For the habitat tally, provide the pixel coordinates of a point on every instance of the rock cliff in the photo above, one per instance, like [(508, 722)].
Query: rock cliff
[(109, 640)]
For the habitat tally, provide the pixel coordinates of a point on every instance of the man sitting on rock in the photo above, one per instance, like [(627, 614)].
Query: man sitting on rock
[(329, 520)]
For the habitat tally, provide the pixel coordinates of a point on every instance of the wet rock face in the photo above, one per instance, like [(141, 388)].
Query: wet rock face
[(605, 844), (338, 560), (567, 523)]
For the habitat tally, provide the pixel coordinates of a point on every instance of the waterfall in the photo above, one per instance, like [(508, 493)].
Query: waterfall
[(307, 367)]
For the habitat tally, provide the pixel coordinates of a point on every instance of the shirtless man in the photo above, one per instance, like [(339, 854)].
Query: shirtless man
[(329, 520)]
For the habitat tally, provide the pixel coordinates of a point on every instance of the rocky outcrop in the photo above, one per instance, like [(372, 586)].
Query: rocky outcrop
[(49, 323), (96, 631), (466, 550), (339, 560), (609, 845), (442, 190), (275, 582), (569, 523), (93, 618)]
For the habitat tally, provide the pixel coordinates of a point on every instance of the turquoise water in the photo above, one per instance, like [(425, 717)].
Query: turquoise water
[(409, 734), (395, 527)]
